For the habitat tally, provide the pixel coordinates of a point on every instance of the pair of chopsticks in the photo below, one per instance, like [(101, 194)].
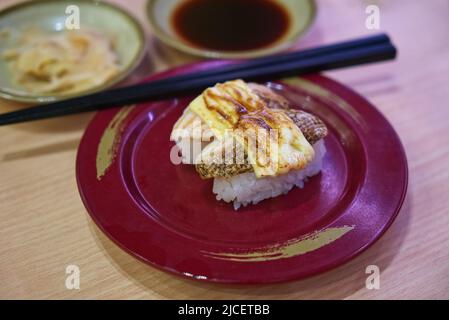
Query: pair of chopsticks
[(344, 54)]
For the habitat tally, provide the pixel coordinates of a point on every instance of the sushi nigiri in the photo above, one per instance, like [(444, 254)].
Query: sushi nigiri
[(248, 168)]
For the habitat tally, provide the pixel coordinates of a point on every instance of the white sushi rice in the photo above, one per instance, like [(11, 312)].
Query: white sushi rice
[(245, 188)]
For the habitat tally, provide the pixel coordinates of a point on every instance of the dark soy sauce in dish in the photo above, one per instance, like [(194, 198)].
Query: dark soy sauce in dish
[(231, 25)]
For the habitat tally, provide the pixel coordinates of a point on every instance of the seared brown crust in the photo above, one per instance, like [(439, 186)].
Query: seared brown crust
[(311, 126), (213, 170), (272, 99)]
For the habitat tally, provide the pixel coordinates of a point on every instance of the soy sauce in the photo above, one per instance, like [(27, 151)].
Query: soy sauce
[(231, 25)]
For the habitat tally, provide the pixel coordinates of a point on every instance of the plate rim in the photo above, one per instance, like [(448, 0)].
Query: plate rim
[(328, 266)]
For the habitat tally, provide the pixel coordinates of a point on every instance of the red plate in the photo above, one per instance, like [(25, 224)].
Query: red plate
[(165, 215)]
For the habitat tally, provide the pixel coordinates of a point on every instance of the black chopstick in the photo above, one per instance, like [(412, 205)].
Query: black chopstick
[(279, 58), (360, 51)]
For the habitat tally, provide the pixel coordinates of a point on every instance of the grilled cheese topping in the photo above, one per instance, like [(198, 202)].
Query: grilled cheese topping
[(272, 141)]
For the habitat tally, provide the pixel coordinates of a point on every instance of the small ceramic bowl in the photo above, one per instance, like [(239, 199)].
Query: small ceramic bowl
[(160, 12), (50, 16)]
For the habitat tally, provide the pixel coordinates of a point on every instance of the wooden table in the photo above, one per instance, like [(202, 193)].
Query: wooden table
[(44, 226)]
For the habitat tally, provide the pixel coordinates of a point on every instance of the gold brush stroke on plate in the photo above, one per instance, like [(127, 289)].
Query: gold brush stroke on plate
[(109, 141), (321, 92), (291, 248)]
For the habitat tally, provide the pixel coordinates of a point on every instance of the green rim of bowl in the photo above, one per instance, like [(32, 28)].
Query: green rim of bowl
[(201, 52), (10, 95)]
